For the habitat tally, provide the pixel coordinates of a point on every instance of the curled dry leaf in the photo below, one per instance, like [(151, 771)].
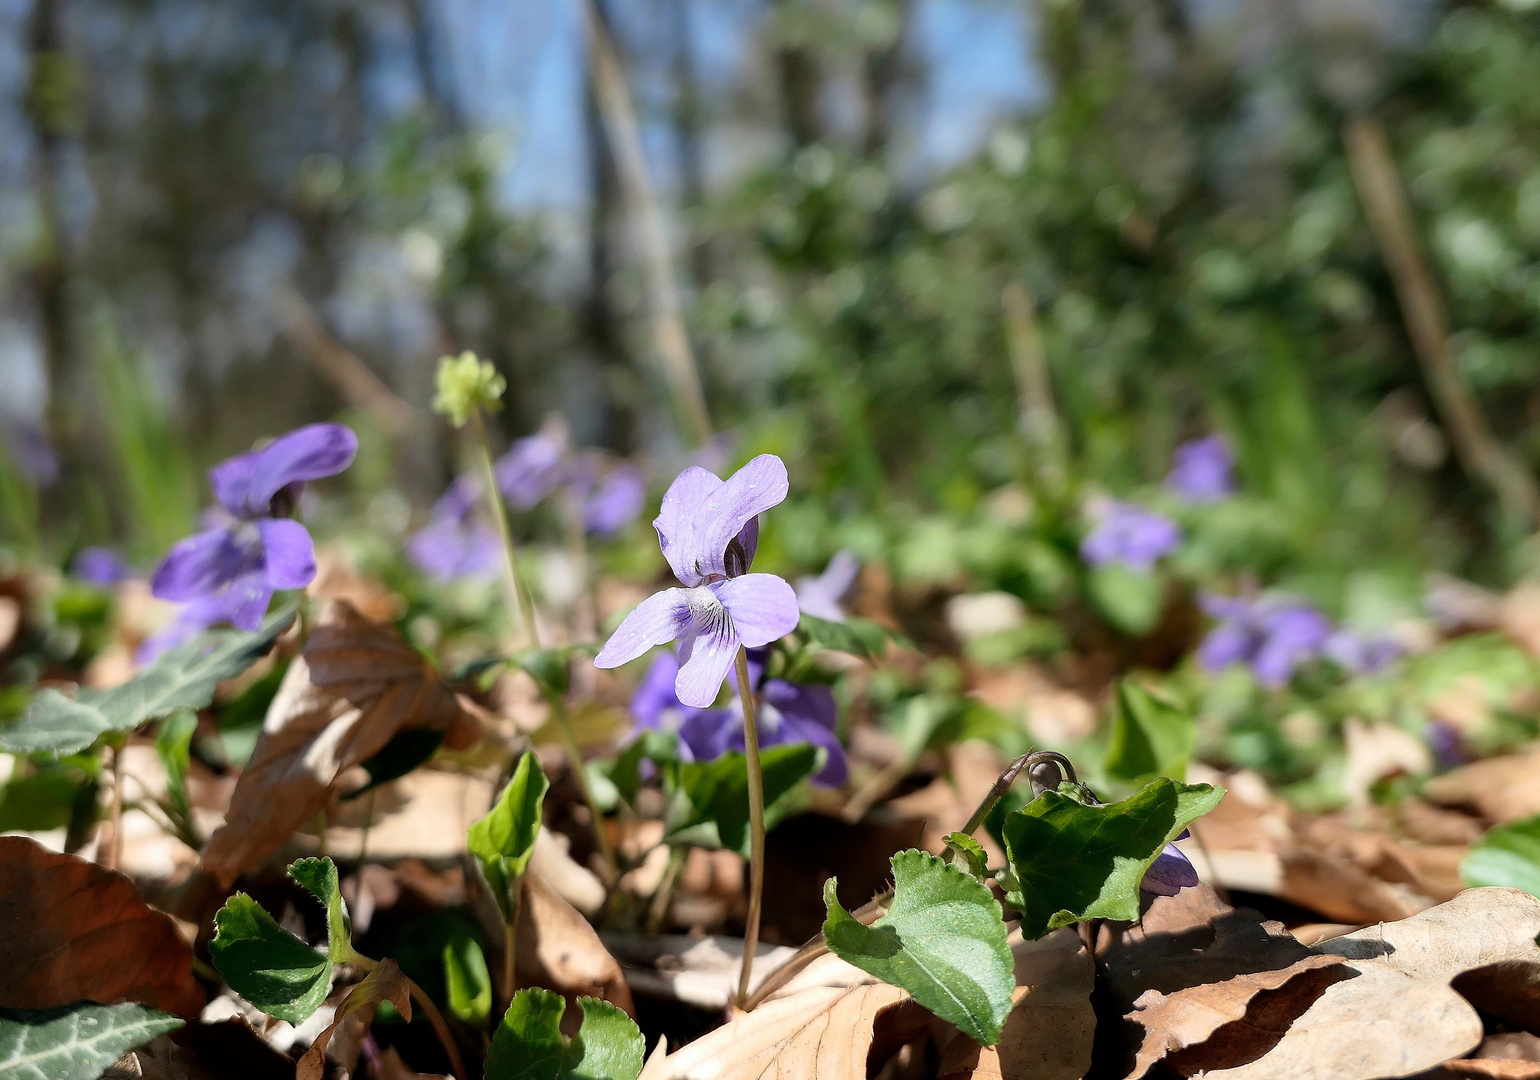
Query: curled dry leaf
[(384, 983), (357, 685), (1049, 1032), (559, 950), (1501, 789), (73, 931)]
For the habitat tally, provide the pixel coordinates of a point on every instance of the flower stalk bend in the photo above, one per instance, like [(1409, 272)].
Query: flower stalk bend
[(756, 824)]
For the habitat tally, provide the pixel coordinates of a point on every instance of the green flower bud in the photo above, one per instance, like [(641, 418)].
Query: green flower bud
[(464, 383)]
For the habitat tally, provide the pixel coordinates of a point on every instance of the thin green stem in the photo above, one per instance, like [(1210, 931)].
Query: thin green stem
[(520, 603), (580, 774), (511, 939), (756, 823), (663, 895)]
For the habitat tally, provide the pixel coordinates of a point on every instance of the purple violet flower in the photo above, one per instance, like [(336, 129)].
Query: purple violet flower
[(820, 596), (709, 530), (1361, 654), (533, 467), (1170, 873), (1272, 636), (235, 568), (101, 567), (611, 502), (455, 543), (1201, 470), (1131, 535), (788, 713)]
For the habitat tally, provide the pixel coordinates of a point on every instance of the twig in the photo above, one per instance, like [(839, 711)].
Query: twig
[(114, 853), (668, 329), (756, 823), (342, 367), (441, 1029), (1427, 323)]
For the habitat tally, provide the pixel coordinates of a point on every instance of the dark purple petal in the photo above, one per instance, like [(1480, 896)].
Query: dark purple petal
[(1293, 634), (1200, 471), (657, 620), (706, 654), (709, 733), (811, 703), (616, 502), (101, 566), (1130, 535), (532, 468), (1169, 874), (836, 769), (245, 485), (701, 515), (289, 553), (1226, 644), (763, 607), (206, 561), (655, 695), (241, 603)]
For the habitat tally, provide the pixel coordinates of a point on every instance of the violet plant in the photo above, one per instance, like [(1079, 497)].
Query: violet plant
[(708, 530)]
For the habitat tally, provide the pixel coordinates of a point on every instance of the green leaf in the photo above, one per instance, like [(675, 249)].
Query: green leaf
[(710, 803), (504, 840), (943, 940), (44, 799), (971, 853), (859, 637), (173, 745), (1151, 735), (75, 1042), (1129, 599), (183, 678), (1071, 862), (467, 982), (267, 965), (319, 877), (650, 744), (406, 751), (529, 1044), (1507, 855), (550, 668)]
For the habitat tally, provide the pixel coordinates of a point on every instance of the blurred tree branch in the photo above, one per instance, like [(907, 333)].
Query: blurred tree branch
[(1427, 323), (342, 368)]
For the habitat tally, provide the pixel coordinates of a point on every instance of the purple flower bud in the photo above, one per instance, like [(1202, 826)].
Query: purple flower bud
[(1131, 535), (1201, 470), (1169, 874), (1273, 636)]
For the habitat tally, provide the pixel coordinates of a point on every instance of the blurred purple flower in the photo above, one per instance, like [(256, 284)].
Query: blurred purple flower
[(1201, 470), (235, 568), (1444, 740), (196, 616), (533, 467), (820, 596), (454, 543), (614, 500), (1361, 654), (1272, 636), (32, 453), (709, 530), (1170, 873), (101, 566), (788, 713), (1131, 535)]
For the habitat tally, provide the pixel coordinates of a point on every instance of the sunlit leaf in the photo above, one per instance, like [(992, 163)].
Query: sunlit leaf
[(267, 965), (319, 877), (504, 840), (75, 1042), (467, 982), (710, 803), (1129, 599), (942, 939), (1507, 855), (859, 637), (529, 1044), (1151, 735)]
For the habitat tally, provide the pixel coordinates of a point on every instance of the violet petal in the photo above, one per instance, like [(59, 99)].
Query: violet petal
[(205, 561), (245, 484), (763, 607), (706, 655), (657, 620), (289, 553)]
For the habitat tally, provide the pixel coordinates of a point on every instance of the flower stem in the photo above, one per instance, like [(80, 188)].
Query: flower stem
[(756, 823), (511, 939), (663, 895), (520, 604), (580, 774), (441, 1029)]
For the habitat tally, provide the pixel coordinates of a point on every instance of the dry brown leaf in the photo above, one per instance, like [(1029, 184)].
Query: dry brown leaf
[(559, 950), (1484, 1069), (389, 1066), (357, 684), (1049, 1032), (1053, 715), (820, 1033), (73, 931), (1376, 751), (384, 983), (336, 578), (1483, 941), (1500, 789)]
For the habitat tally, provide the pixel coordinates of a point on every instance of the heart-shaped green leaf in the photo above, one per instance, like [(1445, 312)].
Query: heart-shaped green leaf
[(319, 877), (650, 744), (529, 1044), (968, 854), (75, 1042), (183, 678), (1151, 735), (1507, 855), (267, 965), (859, 637), (504, 840), (942, 939), (1129, 599), (1069, 861), (710, 801)]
